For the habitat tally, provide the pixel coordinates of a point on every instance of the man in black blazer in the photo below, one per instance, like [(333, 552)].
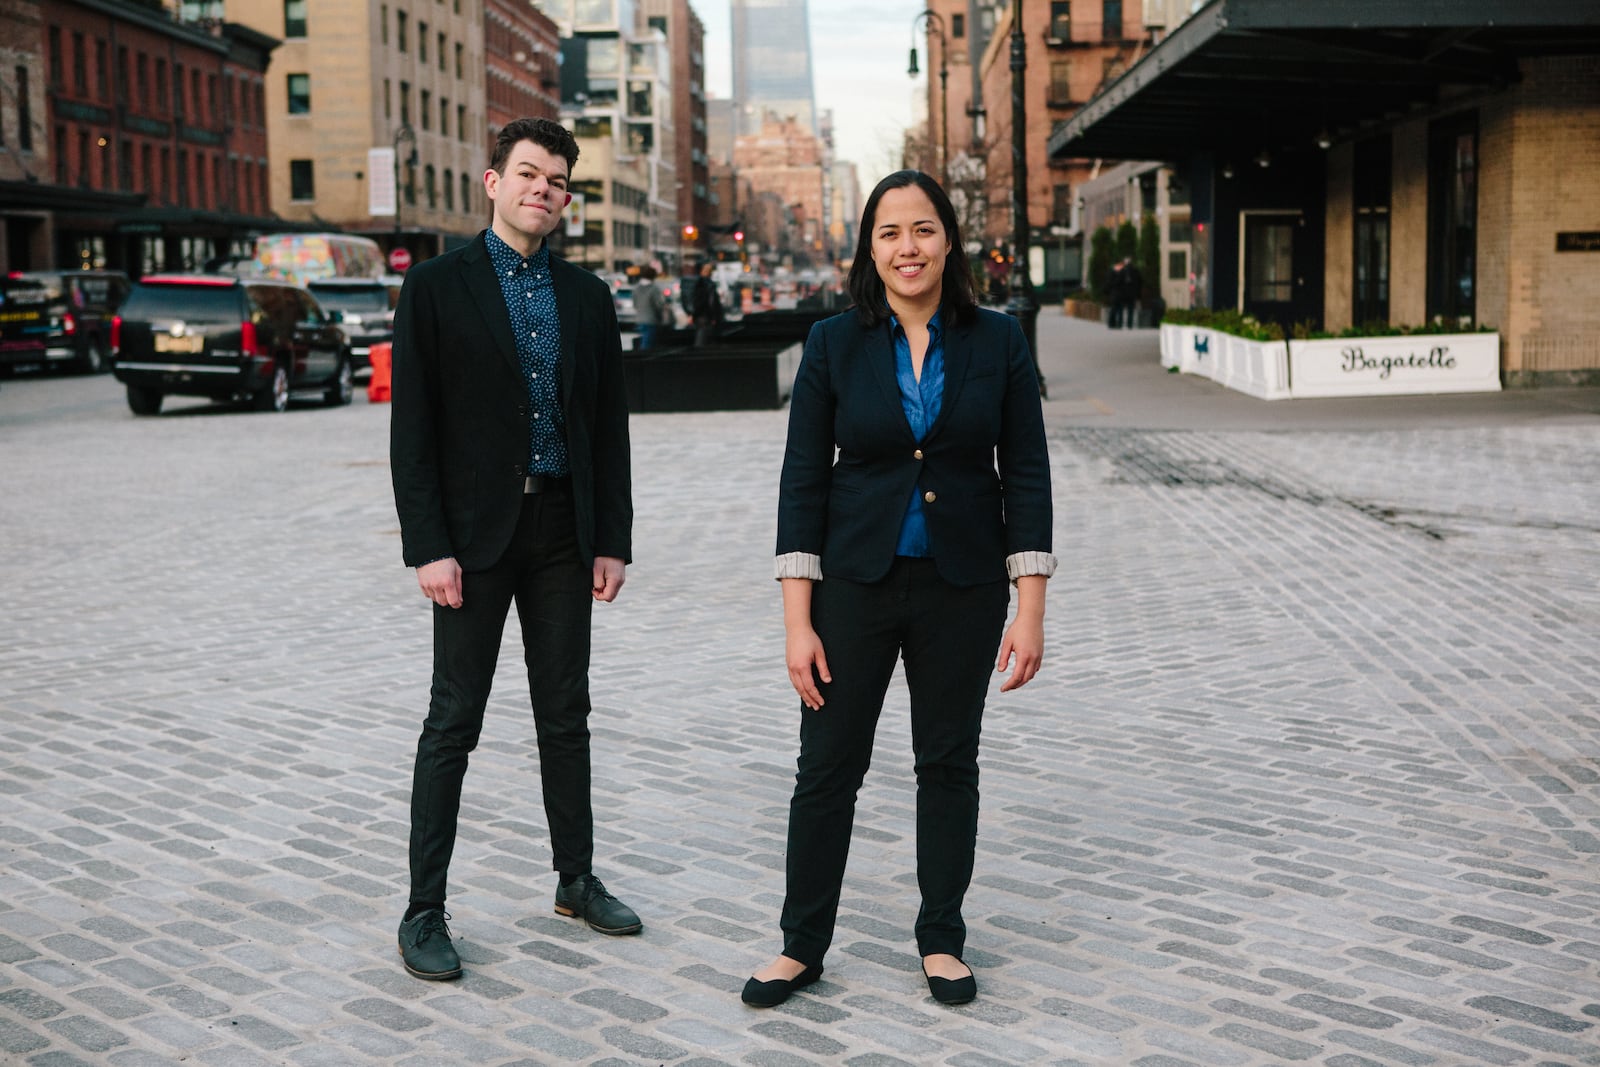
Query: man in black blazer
[(509, 453)]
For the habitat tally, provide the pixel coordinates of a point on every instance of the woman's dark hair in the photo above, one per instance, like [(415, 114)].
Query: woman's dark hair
[(957, 300), (551, 136)]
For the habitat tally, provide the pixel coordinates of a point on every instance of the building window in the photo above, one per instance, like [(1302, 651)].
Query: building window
[(388, 102), (1453, 219), (1061, 203), (177, 91), (183, 178), (383, 23), (163, 96), (449, 189), (958, 26), (441, 51), (400, 30), (141, 81), (1269, 255), (1111, 20), (294, 18), (194, 95), (80, 67), (103, 68), (405, 103), (56, 80), (105, 160), (1370, 187), (461, 121), (83, 159), (24, 112), (299, 94), (122, 73), (61, 156), (422, 42), (429, 186), (458, 62), (1060, 92), (1061, 20), (302, 182), (425, 108), (444, 117), (466, 193)]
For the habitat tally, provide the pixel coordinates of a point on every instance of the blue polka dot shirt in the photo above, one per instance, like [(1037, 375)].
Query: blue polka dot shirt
[(536, 324)]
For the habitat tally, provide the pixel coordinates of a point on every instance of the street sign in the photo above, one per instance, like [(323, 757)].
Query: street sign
[(399, 259), (575, 219)]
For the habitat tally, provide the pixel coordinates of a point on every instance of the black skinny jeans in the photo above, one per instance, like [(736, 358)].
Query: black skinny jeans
[(543, 573), (948, 636)]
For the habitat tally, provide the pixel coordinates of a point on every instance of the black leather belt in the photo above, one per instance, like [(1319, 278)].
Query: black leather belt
[(544, 483)]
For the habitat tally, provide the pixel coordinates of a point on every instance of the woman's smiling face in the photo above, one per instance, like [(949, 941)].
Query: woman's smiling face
[(909, 246)]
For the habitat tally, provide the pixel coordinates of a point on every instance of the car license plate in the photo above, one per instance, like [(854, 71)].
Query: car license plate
[(168, 343)]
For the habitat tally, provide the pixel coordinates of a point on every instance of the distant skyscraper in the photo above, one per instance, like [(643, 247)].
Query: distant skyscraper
[(772, 63)]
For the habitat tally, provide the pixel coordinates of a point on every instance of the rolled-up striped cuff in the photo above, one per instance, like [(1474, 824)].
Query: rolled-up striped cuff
[(1022, 564), (798, 565)]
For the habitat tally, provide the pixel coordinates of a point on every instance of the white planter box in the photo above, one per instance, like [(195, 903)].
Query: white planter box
[(1171, 344), (1199, 350), (1259, 368), (1381, 366)]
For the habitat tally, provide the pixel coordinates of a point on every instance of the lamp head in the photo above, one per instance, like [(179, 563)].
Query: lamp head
[(913, 69)]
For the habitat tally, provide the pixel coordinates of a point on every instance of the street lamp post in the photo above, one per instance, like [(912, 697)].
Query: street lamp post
[(935, 21), (403, 134), (1022, 306)]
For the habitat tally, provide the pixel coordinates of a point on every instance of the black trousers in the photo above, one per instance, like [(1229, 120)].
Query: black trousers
[(544, 574), (947, 636)]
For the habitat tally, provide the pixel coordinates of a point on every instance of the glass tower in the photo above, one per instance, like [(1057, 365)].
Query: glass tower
[(772, 62)]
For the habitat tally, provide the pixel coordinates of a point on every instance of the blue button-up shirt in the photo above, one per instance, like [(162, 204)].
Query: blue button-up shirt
[(920, 399), (535, 323)]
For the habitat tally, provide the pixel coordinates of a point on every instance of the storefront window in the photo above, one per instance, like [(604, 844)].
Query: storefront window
[(1370, 188), (1453, 219)]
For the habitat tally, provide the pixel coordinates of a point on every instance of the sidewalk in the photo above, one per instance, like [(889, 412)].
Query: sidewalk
[(1311, 775)]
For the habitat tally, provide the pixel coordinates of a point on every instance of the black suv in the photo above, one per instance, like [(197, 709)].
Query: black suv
[(227, 338), (59, 318), (364, 307)]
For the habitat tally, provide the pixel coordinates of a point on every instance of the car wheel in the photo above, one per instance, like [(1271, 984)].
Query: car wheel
[(96, 357), (342, 389), (142, 401), (275, 395)]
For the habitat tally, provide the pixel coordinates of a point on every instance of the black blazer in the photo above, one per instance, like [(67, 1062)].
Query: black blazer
[(458, 431), (984, 460)]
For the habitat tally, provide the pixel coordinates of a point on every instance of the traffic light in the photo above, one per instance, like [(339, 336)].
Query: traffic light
[(738, 235), (689, 231)]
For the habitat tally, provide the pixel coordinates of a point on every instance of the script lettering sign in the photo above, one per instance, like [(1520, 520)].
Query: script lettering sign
[(1376, 366)]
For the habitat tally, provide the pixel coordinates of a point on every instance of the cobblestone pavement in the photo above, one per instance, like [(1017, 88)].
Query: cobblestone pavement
[(1312, 774)]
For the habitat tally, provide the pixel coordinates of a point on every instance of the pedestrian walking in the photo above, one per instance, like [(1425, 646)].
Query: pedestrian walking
[(509, 453), (1126, 286), (902, 549), (707, 307), (649, 307)]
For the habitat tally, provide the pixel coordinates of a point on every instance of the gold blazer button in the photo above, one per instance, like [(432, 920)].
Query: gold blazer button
[(930, 496)]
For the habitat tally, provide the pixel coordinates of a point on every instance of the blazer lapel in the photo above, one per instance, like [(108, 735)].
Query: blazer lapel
[(478, 269), (571, 318), (957, 355), (879, 349)]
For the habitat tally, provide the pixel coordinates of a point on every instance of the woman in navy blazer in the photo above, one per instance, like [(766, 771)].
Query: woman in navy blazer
[(916, 483)]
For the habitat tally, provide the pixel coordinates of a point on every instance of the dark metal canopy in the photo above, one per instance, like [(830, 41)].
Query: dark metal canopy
[(1240, 76)]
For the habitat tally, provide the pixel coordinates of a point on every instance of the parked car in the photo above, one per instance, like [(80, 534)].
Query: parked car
[(227, 338), (622, 295), (364, 308), (59, 318)]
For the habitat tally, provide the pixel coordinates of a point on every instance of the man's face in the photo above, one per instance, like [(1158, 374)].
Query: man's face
[(531, 193)]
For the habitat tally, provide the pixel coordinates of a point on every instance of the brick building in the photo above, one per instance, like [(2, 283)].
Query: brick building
[(401, 76), (522, 64), (785, 162), (1382, 162), (138, 142), (685, 35), (1072, 50)]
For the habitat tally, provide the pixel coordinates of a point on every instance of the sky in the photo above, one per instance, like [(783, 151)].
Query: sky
[(858, 58)]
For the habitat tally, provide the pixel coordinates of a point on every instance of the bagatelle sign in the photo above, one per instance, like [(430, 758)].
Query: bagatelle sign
[(1374, 366)]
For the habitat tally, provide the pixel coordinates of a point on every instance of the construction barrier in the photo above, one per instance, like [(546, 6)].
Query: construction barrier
[(378, 385)]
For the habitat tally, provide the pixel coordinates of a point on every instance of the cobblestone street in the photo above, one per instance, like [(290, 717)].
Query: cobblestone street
[(1311, 774)]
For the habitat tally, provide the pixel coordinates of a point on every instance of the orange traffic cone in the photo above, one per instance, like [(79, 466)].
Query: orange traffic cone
[(378, 385)]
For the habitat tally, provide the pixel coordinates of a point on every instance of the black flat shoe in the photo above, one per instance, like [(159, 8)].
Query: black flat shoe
[(771, 994), (952, 990)]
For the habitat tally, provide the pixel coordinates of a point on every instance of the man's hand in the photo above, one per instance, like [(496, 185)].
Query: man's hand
[(441, 582), (609, 574)]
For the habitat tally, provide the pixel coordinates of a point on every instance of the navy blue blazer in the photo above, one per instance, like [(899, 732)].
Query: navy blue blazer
[(851, 460), (458, 431)]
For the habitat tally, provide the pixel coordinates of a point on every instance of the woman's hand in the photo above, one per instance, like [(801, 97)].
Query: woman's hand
[(1024, 639), (807, 662)]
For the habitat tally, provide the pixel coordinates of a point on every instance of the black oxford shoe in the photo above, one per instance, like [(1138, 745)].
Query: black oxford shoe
[(586, 898), (425, 947)]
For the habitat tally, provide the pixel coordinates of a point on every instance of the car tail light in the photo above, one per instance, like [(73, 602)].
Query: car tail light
[(247, 339), (69, 325), (116, 334)]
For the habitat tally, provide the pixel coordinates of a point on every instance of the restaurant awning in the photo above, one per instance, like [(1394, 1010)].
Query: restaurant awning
[(1240, 76)]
